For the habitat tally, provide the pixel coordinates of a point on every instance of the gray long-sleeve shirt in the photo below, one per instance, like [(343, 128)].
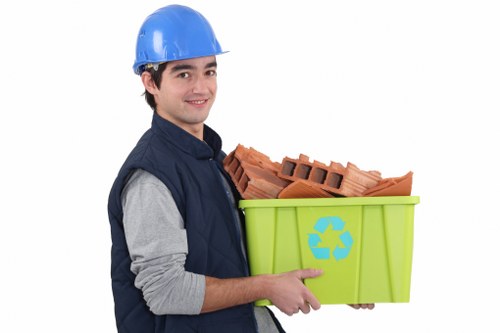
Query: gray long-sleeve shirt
[(157, 243)]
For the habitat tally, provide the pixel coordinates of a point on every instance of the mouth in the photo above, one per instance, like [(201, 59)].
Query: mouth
[(197, 101)]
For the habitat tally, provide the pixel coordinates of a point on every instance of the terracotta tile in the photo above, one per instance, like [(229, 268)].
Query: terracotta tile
[(357, 181), (301, 189), (257, 177), (252, 156), (398, 186), (315, 174), (268, 184), (254, 174)]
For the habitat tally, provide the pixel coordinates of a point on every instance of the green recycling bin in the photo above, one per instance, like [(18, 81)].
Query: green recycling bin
[(364, 245)]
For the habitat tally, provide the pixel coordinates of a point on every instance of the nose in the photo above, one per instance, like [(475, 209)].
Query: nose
[(201, 85)]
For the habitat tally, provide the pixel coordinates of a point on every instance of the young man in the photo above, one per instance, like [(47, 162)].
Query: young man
[(178, 256)]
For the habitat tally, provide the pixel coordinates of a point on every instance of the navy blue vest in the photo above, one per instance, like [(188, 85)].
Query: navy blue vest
[(191, 170)]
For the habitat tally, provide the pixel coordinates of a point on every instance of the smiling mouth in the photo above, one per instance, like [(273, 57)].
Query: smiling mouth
[(198, 102)]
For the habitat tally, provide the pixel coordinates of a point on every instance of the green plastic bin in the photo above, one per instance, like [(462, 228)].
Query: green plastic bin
[(364, 245)]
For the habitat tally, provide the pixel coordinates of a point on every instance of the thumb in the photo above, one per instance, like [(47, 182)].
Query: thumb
[(309, 273)]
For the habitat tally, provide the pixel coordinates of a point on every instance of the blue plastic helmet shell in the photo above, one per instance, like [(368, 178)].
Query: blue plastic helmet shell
[(174, 32)]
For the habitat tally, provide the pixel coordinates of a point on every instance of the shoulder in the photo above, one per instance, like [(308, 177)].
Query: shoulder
[(143, 177)]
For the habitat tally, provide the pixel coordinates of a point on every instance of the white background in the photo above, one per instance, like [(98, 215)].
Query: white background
[(392, 86)]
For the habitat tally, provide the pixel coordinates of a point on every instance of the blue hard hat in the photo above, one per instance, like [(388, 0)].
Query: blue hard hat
[(174, 32)]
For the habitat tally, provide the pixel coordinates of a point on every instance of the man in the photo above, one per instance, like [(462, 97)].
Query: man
[(178, 255)]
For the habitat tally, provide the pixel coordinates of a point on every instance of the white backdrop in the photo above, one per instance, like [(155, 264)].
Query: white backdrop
[(392, 86)]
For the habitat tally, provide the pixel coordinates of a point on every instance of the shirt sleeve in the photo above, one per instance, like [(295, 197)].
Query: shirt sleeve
[(157, 243)]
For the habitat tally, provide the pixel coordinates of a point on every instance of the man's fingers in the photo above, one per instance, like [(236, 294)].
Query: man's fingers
[(309, 273), (305, 308), (299, 297), (369, 306), (312, 301)]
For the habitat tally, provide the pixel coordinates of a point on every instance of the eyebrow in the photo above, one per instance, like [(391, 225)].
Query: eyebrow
[(182, 67)]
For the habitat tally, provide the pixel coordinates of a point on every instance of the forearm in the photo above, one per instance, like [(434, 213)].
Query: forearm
[(224, 293), (286, 291), (168, 288)]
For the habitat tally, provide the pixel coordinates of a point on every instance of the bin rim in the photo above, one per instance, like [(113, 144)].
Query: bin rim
[(324, 202)]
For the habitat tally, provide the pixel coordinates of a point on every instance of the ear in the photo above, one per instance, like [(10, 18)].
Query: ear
[(148, 82)]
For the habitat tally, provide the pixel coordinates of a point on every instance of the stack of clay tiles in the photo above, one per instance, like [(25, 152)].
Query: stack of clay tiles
[(254, 174), (257, 177)]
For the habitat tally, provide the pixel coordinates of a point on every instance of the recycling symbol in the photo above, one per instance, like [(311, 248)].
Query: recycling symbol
[(330, 223)]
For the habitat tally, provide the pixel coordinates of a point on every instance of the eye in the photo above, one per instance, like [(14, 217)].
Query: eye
[(211, 72), (184, 75)]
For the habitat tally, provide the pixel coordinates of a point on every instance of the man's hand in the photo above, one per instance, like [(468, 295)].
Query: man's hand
[(289, 294), (286, 291)]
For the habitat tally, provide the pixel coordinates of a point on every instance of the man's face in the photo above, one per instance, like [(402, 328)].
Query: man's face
[(187, 93)]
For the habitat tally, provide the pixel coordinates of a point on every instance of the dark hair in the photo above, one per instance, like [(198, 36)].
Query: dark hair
[(156, 76)]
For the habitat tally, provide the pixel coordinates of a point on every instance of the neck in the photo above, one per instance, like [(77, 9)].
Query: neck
[(195, 130)]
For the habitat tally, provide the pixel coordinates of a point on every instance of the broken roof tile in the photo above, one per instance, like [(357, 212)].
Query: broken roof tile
[(315, 173), (301, 189), (257, 177), (253, 174), (397, 186)]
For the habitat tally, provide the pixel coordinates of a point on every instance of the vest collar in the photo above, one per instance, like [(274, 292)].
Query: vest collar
[(206, 149)]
